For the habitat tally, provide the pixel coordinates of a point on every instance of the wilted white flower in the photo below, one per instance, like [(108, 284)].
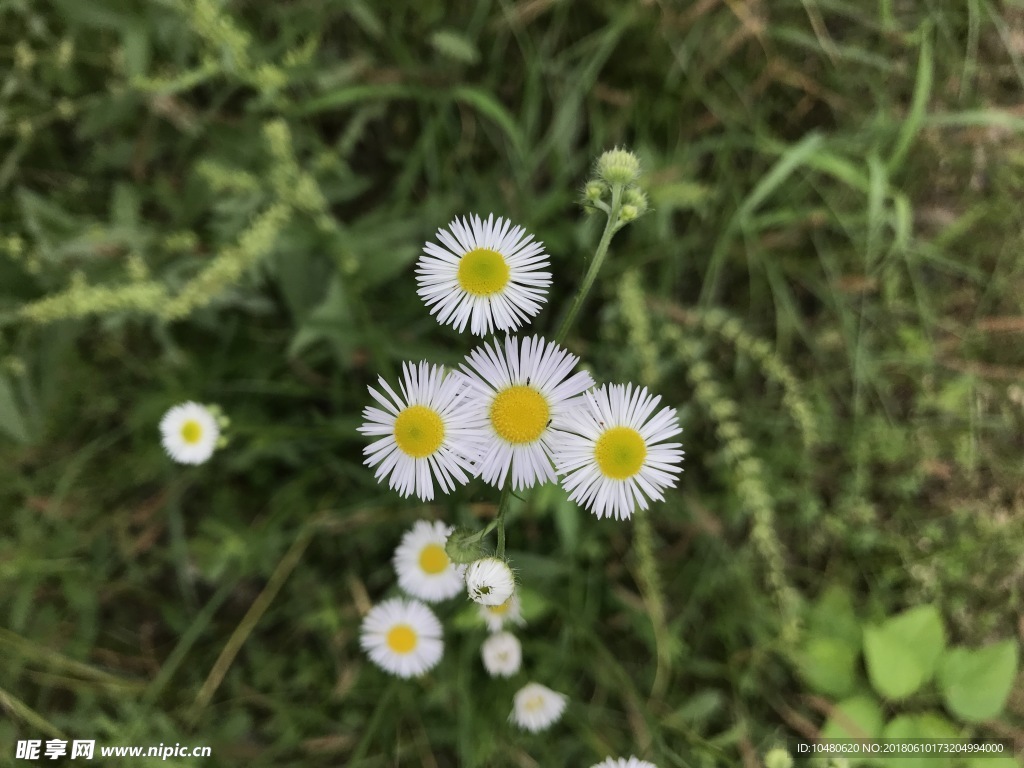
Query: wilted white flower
[(489, 581), (496, 616), (536, 707), (502, 654)]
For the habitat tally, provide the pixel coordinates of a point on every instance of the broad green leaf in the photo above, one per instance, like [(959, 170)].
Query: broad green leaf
[(927, 725), (858, 717), (828, 665), (901, 654), (832, 616), (975, 683)]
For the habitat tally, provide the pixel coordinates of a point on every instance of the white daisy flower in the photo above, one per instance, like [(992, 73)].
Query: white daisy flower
[(624, 762), (423, 432), (484, 273), (496, 615), (502, 654), (402, 637), (489, 581), (521, 397), (537, 707), (617, 458), (422, 565), (189, 433)]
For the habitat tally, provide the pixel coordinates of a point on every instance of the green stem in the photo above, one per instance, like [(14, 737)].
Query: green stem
[(595, 265), (503, 505)]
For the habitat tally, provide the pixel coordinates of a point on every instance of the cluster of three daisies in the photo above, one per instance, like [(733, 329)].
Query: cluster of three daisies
[(518, 412)]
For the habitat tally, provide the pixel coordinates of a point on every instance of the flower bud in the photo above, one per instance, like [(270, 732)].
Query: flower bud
[(637, 198), (463, 546), (618, 166), (628, 213), (594, 191)]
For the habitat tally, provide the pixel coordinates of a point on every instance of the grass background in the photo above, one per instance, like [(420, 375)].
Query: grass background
[(223, 202)]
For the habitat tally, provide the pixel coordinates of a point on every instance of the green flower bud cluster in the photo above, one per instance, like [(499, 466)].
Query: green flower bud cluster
[(615, 187)]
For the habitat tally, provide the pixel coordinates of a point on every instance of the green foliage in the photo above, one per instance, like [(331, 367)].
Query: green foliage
[(901, 654), (222, 201), (976, 682)]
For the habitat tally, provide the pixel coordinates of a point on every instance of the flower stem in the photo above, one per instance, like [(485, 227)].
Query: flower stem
[(595, 265), (503, 505)]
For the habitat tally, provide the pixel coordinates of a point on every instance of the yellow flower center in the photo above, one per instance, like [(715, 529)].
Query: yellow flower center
[(620, 453), (419, 431), (401, 638), (534, 703), (433, 558), (483, 272), (191, 431), (500, 610), (519, 414)]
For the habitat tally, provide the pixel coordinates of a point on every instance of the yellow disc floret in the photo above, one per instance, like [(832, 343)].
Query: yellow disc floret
[(433, 558), (519, 414), (483, 272), (419, 431), (620, 453), (191, 431), (401, 638)]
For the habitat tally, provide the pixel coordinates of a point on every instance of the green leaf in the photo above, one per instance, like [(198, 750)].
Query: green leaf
[(901, 654), (828, 665), (926, 725), (832, 616), (858, 717), (975, 683)]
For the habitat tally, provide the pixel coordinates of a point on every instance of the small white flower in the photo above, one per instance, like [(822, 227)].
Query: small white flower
[(402, 637), (484, 273), (502, 654), (424, 433), (422, 565), (623, 762), (189, 433), (537, 707), (522, 395), (489, 581), (617, 457), (496, 615)]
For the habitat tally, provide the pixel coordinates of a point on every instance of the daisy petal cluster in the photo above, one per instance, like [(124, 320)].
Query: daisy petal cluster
[(616, 458), (488, 274), (536, 707), (623, 762), (522, 393), (189, 433), (422, 565), (502, 654), (423, 437), (402, 637)]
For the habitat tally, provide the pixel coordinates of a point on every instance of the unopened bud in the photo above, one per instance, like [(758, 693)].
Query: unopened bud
[(463, 546), (618, 166)]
